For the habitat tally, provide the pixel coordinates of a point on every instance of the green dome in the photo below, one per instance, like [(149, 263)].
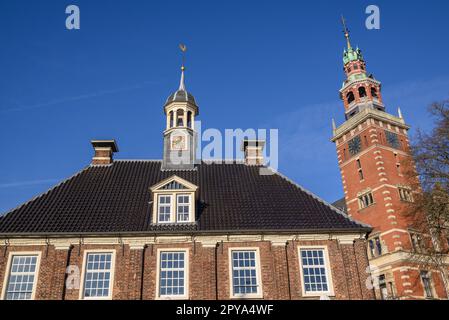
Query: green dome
[(352, 55)]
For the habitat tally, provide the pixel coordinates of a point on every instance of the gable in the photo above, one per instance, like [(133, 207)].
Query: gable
[(174, 183)]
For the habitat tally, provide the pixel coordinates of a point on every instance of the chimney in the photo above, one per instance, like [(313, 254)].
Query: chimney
[(104, 150), (253, 150)]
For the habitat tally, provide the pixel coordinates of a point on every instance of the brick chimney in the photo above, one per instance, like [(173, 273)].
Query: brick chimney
[(104, 151), (253, 150)]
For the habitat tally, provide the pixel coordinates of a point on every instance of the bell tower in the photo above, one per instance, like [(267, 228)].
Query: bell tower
[(179, 136), (371, 148)]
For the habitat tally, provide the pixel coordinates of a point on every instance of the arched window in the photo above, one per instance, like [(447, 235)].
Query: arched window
[(189, 119), (374, 93), (362, 92), (171, 119), (350, 97), (180, 118)]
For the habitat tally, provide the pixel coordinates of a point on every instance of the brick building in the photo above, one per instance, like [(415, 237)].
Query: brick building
[(179, 228), (371, 147)]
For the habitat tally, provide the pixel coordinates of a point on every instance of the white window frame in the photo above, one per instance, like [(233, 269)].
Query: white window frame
[(8, 271), (259, 294), (189, 206), (185, 296), (190, 190), (327, 267), (172, 203), (83, 274)]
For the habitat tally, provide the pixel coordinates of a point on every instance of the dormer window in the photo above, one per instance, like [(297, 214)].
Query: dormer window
[(183, 208), (165, 208), (174, 201)]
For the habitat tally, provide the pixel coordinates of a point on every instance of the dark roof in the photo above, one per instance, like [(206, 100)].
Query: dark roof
[(117, 199), (181, 96), (341, 205)]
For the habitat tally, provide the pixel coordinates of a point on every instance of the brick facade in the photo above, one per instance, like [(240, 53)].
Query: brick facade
[(209, 269)]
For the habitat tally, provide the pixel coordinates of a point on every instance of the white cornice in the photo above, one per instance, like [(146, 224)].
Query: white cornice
[(206, 240)]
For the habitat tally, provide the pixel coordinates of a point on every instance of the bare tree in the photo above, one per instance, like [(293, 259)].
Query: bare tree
[(429, 177)]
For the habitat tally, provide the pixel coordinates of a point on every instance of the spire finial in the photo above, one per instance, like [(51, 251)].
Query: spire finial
[(183, 48), (400, 113), (346, 31)]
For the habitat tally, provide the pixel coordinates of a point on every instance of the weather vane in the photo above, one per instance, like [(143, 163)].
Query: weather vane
[(183, 48), (345, 30)]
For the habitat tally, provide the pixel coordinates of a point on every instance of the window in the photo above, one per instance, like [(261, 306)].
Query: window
[(374, 93), (314, 271), (180, 118), (427, 284), (366, 200), (22, 277), (417, 242), (171, 119), (174, 201), (383, 287), (362, 92), (245, 277), (350, 97), (164, 211), (183, 208), (172, 274), (98, 275), (189, 119), (405, 194), (359, 168), (375, 247)]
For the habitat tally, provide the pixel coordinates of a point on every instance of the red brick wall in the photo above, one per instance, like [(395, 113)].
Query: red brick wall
[(279, 267)]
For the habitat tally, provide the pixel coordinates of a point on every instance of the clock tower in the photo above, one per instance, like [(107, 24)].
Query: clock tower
[(372, 146), (179, 136)]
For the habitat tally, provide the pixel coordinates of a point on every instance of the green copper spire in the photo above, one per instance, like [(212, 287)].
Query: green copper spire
[(350, 54)]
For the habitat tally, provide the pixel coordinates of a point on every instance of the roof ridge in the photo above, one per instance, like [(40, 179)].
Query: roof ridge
[(319, 199), (46, 192)]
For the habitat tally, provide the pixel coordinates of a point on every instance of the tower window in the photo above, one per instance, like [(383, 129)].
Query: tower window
[(366, 200), (383, 287), (405, 194), (171, 119), (375, 247), (427, 284), (180, 118), (374, 93), (362, 92), (350, 97), (360, 170), (189, 119), (417, 242)]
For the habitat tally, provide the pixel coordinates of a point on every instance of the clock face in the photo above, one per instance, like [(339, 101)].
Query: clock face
[(178, 142), (392, 139), (355, 145)]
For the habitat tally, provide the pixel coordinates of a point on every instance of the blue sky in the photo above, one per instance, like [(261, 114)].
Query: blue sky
[(251, 64)]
